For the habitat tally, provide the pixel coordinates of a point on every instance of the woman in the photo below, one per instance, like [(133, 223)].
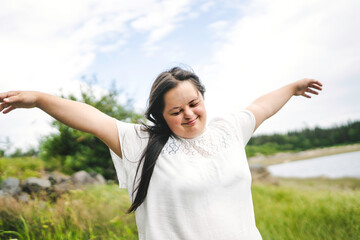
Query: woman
[(186, 179)]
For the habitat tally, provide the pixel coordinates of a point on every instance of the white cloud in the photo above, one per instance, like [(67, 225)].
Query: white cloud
[(277, 42), (207, 6), (161, 19), (47, 45)]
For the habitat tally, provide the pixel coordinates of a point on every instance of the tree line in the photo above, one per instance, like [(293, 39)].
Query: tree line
[(305, 139)]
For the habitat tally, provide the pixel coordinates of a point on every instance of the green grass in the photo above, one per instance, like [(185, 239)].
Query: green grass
[(301, 209), (95, 213), (295, 210), (21, 168), (292, 210)]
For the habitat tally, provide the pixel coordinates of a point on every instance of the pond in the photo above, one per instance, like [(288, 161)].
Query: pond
[(333, 166)]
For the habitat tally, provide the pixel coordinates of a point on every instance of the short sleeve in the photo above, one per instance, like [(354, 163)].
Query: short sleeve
[(244, 123), (133, 142)]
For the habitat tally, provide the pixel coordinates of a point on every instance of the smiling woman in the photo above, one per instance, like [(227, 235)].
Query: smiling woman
[(195, 181), (185, 111)]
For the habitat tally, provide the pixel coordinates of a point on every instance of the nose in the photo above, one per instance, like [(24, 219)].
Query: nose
[(188, 113)]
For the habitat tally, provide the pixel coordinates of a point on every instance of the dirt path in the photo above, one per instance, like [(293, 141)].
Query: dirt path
[(289, 157)]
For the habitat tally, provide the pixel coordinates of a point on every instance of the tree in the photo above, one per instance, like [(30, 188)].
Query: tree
[(70, 150)]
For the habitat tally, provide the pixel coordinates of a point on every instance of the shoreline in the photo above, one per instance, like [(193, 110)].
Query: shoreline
[(285, 157)]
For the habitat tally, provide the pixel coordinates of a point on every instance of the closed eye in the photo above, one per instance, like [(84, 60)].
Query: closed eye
[(176, 113), (194, 104)]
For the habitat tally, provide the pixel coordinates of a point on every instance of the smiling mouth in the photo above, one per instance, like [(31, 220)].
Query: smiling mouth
[(190, 123)]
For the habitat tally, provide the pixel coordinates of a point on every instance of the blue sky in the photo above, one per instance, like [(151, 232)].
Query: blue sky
[(240, 50)]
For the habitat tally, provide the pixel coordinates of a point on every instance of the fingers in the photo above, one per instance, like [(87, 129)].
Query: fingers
[(11, 99), (6, 95), (4, 105), (309, 90), (9, 109), (8, 101), (317, 85)]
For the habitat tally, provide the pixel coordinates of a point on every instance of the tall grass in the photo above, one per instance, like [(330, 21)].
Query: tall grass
[(296, 209), (285, 212), (299, 212), (95, 213)]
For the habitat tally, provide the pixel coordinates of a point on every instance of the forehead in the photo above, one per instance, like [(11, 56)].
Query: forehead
[(182, 94)]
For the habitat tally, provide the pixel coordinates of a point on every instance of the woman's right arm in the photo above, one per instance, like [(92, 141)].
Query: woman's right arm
[(74, 114)]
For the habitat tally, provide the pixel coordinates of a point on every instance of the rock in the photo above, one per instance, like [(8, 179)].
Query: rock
[(62, 188), (57, 177), (11, 186), (1, 193), (260, 173), (82, 178), (100, 179), (34, 185)]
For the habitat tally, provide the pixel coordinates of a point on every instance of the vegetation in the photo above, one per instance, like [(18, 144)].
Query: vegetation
[(70, 150), (297, 211), (292, 210), (21, 168), (296, 141), (98, 212)]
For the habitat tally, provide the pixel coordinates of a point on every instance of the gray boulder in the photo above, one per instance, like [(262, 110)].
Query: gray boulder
[(34, 185), (100, 179), (62, 188), (58, 177), (11, 186), (82, 178)]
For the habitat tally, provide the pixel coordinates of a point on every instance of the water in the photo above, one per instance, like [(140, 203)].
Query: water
[(334, 166)]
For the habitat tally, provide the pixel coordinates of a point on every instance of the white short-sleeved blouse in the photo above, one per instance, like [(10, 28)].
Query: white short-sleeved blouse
[(200, 187)]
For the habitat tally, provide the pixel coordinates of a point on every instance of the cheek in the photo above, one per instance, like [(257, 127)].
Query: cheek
[(200, 111), (177, 120), (173, 121)]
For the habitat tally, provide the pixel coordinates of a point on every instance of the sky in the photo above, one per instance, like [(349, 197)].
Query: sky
[(239, 49)]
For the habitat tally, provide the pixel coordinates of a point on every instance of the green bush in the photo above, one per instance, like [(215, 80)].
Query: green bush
[(70, 150)]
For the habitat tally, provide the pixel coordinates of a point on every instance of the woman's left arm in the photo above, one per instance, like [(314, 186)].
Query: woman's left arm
[(269, 104)]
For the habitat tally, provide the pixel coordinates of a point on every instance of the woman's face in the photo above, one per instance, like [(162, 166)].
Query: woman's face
[(184, 110)]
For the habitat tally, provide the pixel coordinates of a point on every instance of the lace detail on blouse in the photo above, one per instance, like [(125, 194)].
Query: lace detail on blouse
[(208, 144)]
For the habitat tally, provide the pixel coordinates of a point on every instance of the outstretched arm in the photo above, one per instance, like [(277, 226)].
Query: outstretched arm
[(73, 114), (269, 104)]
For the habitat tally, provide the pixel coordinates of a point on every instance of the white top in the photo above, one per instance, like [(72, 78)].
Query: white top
[(200, 187)]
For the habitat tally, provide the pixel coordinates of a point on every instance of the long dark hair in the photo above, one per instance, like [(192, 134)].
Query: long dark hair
[(159, 131)]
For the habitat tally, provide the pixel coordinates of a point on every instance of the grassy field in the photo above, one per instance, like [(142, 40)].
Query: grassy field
[(292, 210), (308, 209), (305, 209), (95, 213)]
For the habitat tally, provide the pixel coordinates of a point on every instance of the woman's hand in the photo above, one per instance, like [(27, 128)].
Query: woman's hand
[(17, 99), (269, 104), (304, 86)]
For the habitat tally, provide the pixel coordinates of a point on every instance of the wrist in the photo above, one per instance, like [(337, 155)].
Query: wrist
[(294, 88), (38, 99)]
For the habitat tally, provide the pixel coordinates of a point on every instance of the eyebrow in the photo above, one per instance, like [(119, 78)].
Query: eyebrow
[(195, 99)]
